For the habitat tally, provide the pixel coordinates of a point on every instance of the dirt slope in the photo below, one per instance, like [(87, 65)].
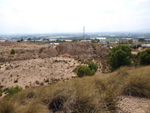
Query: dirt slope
[(84, 50), (36, 71), (80, 50)]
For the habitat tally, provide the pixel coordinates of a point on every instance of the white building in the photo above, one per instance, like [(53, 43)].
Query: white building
[(54, 43), (99, 38), (54, 40), (68, 40), (2, 40), (85, 40), (146, 46)]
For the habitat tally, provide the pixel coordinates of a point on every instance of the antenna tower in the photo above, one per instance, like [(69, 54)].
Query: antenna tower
[(83, 32)]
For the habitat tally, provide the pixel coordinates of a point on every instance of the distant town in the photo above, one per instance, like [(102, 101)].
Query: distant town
[(133, 38)]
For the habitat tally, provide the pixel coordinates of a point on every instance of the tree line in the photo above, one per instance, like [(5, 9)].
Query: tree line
[(121, 56)]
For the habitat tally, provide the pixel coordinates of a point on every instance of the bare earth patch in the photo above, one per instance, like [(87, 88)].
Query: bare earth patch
[(133, 104), (7, 46), (36, 71)]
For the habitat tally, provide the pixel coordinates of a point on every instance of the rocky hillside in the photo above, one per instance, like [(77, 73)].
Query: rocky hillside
[(84, 50), (79, 50), (25, 51)]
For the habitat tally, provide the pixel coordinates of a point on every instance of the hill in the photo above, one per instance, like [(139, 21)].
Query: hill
[(36, 64), (79, 50)]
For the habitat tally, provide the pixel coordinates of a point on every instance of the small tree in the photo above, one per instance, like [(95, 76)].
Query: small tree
[(139, 46), (18, 40), (13, 51), (119, 56), (95, 40), (81, 71), (29, 39), (130, 41), (92, 65), (141, 40), (84, 71), (144, 57)]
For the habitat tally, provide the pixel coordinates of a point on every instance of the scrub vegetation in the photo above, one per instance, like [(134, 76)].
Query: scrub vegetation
[(99, 93)]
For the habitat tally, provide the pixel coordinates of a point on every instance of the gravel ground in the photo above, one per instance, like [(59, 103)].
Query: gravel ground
[(129, 104)]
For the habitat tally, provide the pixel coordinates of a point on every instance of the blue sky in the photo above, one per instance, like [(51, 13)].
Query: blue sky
[(49, 16)]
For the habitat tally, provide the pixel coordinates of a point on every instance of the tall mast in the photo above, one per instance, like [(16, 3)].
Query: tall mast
[(83, 32)]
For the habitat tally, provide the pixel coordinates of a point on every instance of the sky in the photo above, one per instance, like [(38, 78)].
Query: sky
[(57, 16)]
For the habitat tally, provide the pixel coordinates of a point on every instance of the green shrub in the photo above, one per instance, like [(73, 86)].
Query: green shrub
[(13, 51), (133, 46), (13, 90), (141, 40), (18, 40), (139, 46), (84, 70), (144, 57), (1, 93), (119, 56), (92, 65), (92, 72), (95, 40)]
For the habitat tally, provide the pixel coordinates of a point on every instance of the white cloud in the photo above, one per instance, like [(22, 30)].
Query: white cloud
[(66, 15), (138, 2), (141, 11)]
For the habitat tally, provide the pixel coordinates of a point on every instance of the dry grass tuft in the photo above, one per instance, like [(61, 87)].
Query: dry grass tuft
[(7, 107), (56, 103), (138, 83), (96, 94)]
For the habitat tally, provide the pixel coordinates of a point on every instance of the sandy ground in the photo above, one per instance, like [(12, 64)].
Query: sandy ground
[(36, 71), (129, 104), (7, 46)]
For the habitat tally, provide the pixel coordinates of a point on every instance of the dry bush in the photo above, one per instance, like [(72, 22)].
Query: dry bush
[(33, 108), (133, 82), (56, 103), (148, 110), (78, 96), (96, 94), (138, 83), (7, 107)]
